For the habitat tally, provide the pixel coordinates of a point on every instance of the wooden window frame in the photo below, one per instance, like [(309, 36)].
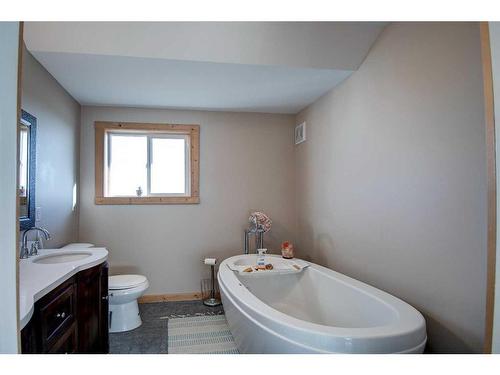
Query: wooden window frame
[(192, 131)]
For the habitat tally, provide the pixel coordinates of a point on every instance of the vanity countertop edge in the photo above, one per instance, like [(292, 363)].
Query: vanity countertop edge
[(36, 280)]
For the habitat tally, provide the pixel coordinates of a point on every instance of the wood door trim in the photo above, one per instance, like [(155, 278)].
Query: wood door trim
[(489, 111)]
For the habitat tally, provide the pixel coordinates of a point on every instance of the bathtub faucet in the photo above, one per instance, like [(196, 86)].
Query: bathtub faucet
[(259, 239), (260, 223)]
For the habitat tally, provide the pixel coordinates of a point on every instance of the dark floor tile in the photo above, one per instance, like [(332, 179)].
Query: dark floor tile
[(152, 336)]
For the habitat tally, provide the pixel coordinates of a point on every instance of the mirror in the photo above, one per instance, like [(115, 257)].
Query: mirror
[(27, 168)]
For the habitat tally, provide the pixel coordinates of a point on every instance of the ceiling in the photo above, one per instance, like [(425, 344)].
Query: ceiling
[(239, 66)]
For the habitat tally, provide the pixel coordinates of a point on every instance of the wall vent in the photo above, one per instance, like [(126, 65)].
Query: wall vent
[(300, 133)]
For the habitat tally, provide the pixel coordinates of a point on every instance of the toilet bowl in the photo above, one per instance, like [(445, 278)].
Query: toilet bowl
[(124, 290)]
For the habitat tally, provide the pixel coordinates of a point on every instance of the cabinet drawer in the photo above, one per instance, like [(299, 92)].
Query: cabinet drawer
[(57, 314)]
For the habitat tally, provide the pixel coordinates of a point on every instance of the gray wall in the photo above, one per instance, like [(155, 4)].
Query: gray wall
[(58, 137), (246, 163), (391, 183)]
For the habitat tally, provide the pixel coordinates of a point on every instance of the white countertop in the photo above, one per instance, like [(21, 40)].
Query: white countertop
[(36, 279)]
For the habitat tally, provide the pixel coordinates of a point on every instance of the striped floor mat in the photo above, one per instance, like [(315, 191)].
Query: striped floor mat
[(207, 334)]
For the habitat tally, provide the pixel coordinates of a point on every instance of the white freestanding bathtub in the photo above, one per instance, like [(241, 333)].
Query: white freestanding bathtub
[(316, 310)]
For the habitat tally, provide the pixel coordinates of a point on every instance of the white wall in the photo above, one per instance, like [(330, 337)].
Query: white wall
[(58, 147), (391, 183), (9, 45), (495, 59), (246, 163)]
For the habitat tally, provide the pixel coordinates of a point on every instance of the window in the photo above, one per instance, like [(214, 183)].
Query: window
[(146, 163)]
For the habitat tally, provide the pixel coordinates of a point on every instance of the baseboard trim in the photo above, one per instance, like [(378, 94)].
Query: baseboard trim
[(170, 297)]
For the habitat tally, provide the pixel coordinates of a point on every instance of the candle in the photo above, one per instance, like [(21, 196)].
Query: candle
[(287, 250)]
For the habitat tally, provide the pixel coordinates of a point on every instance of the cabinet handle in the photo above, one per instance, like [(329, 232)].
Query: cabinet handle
[(61, 315), (105, 297)]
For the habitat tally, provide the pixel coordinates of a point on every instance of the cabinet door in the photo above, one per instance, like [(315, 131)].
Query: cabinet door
[(104, 322), (92, 301), (28, 339), (53, 317), (67, 344), (55, 314)]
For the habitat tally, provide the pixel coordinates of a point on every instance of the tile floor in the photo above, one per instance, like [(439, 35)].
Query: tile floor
[(152, 336)]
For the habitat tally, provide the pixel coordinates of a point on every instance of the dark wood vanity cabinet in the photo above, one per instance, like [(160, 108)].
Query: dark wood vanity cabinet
[(72, 318), (93, 310)]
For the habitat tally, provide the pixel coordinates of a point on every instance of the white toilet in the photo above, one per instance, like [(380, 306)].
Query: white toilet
[(123, 291)]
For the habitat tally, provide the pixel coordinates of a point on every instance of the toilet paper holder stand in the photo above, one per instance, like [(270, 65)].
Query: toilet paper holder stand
[(212, 301)]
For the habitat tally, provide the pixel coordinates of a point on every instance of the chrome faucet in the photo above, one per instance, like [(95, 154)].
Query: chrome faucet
[(258, 232), (24, 247)]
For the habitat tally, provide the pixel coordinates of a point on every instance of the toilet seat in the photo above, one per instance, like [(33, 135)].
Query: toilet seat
[(139, 289), (121, 282)]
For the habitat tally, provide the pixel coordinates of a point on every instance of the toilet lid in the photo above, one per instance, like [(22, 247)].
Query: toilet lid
[(125, 281)]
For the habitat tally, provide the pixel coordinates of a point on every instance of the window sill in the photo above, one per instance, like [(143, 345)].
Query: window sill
[(145, 200)]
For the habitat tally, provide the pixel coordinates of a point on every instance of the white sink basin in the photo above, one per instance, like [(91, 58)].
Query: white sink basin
[(63, 257)]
